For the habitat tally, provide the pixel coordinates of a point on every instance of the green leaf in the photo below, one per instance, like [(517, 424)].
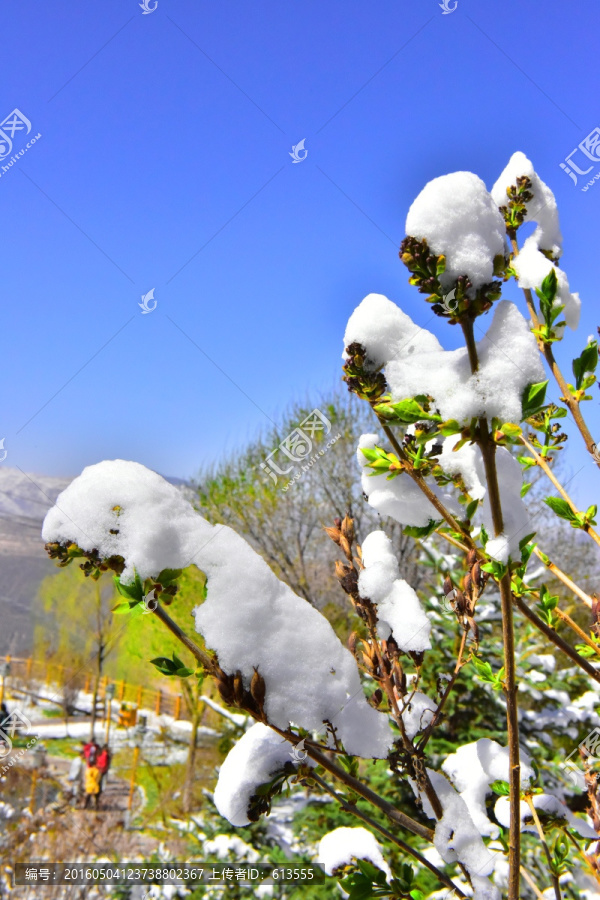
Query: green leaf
[(511, 430), (450, 427), (133, 590), (408, 412), (587, 362), (416, 531), (534, 398), (502, 788), (471, 509), (164, 665), (167, 576), (561, 508), (483, 669), (122, 608)]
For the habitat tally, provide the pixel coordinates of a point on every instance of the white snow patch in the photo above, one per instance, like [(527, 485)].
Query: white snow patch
[(342, 846), (458, 217)]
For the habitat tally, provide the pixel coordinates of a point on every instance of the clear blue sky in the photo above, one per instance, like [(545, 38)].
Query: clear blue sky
[(164, 163)]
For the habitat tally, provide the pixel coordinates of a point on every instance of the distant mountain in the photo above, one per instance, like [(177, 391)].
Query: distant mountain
[(24, 501)]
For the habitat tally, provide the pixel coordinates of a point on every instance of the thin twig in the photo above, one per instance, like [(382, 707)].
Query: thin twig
[(556, 639), (543, 465), (552, 567), (355, 811), (546, 350), (540, 831)]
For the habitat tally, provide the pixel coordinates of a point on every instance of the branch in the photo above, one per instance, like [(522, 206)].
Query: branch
[(353, 810), (431, 496), (552, 567), (541, 462), (488, 452), (546, 349), (556, 639), (399, 818), (540, 831)]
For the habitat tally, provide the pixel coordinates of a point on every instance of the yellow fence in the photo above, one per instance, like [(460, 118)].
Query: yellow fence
[(35, 672)]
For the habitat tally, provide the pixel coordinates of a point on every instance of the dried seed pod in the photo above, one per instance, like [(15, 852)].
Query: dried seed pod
[(347, 529), (376, 698), (345, 547), (352, 643), (258, 688), (471, 558), (448, 586), (334, 534), (238, 688)]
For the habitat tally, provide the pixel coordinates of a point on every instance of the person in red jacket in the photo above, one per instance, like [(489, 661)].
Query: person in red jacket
[(90, 752), (103, 763)]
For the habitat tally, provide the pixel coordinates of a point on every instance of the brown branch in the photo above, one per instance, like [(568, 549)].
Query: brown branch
[(427, 733), (353, 810), (556, 639), (541, 462), (546, 349), (422, 484), (540, 831), (399, 818), (552, 567), (488, 452)]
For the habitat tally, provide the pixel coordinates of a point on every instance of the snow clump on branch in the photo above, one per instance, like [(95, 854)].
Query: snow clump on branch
[(253, 621)]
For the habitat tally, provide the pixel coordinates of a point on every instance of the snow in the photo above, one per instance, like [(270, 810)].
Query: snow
[(457, 217), (399, 497), (376, 580), (258, 755), (224, 845), (532, 267), (542, 209), (418, 714), (252, 620), (342, 846), (402, 615), (384, 330), (399, 610), (457, 839), (473, 767), (508, 363), (468, 462), (545, 803)]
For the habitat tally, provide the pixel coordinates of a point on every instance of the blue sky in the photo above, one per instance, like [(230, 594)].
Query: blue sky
[(164, 164)]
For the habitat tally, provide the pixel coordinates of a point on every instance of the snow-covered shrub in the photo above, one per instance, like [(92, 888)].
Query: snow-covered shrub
[(450, 726)]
